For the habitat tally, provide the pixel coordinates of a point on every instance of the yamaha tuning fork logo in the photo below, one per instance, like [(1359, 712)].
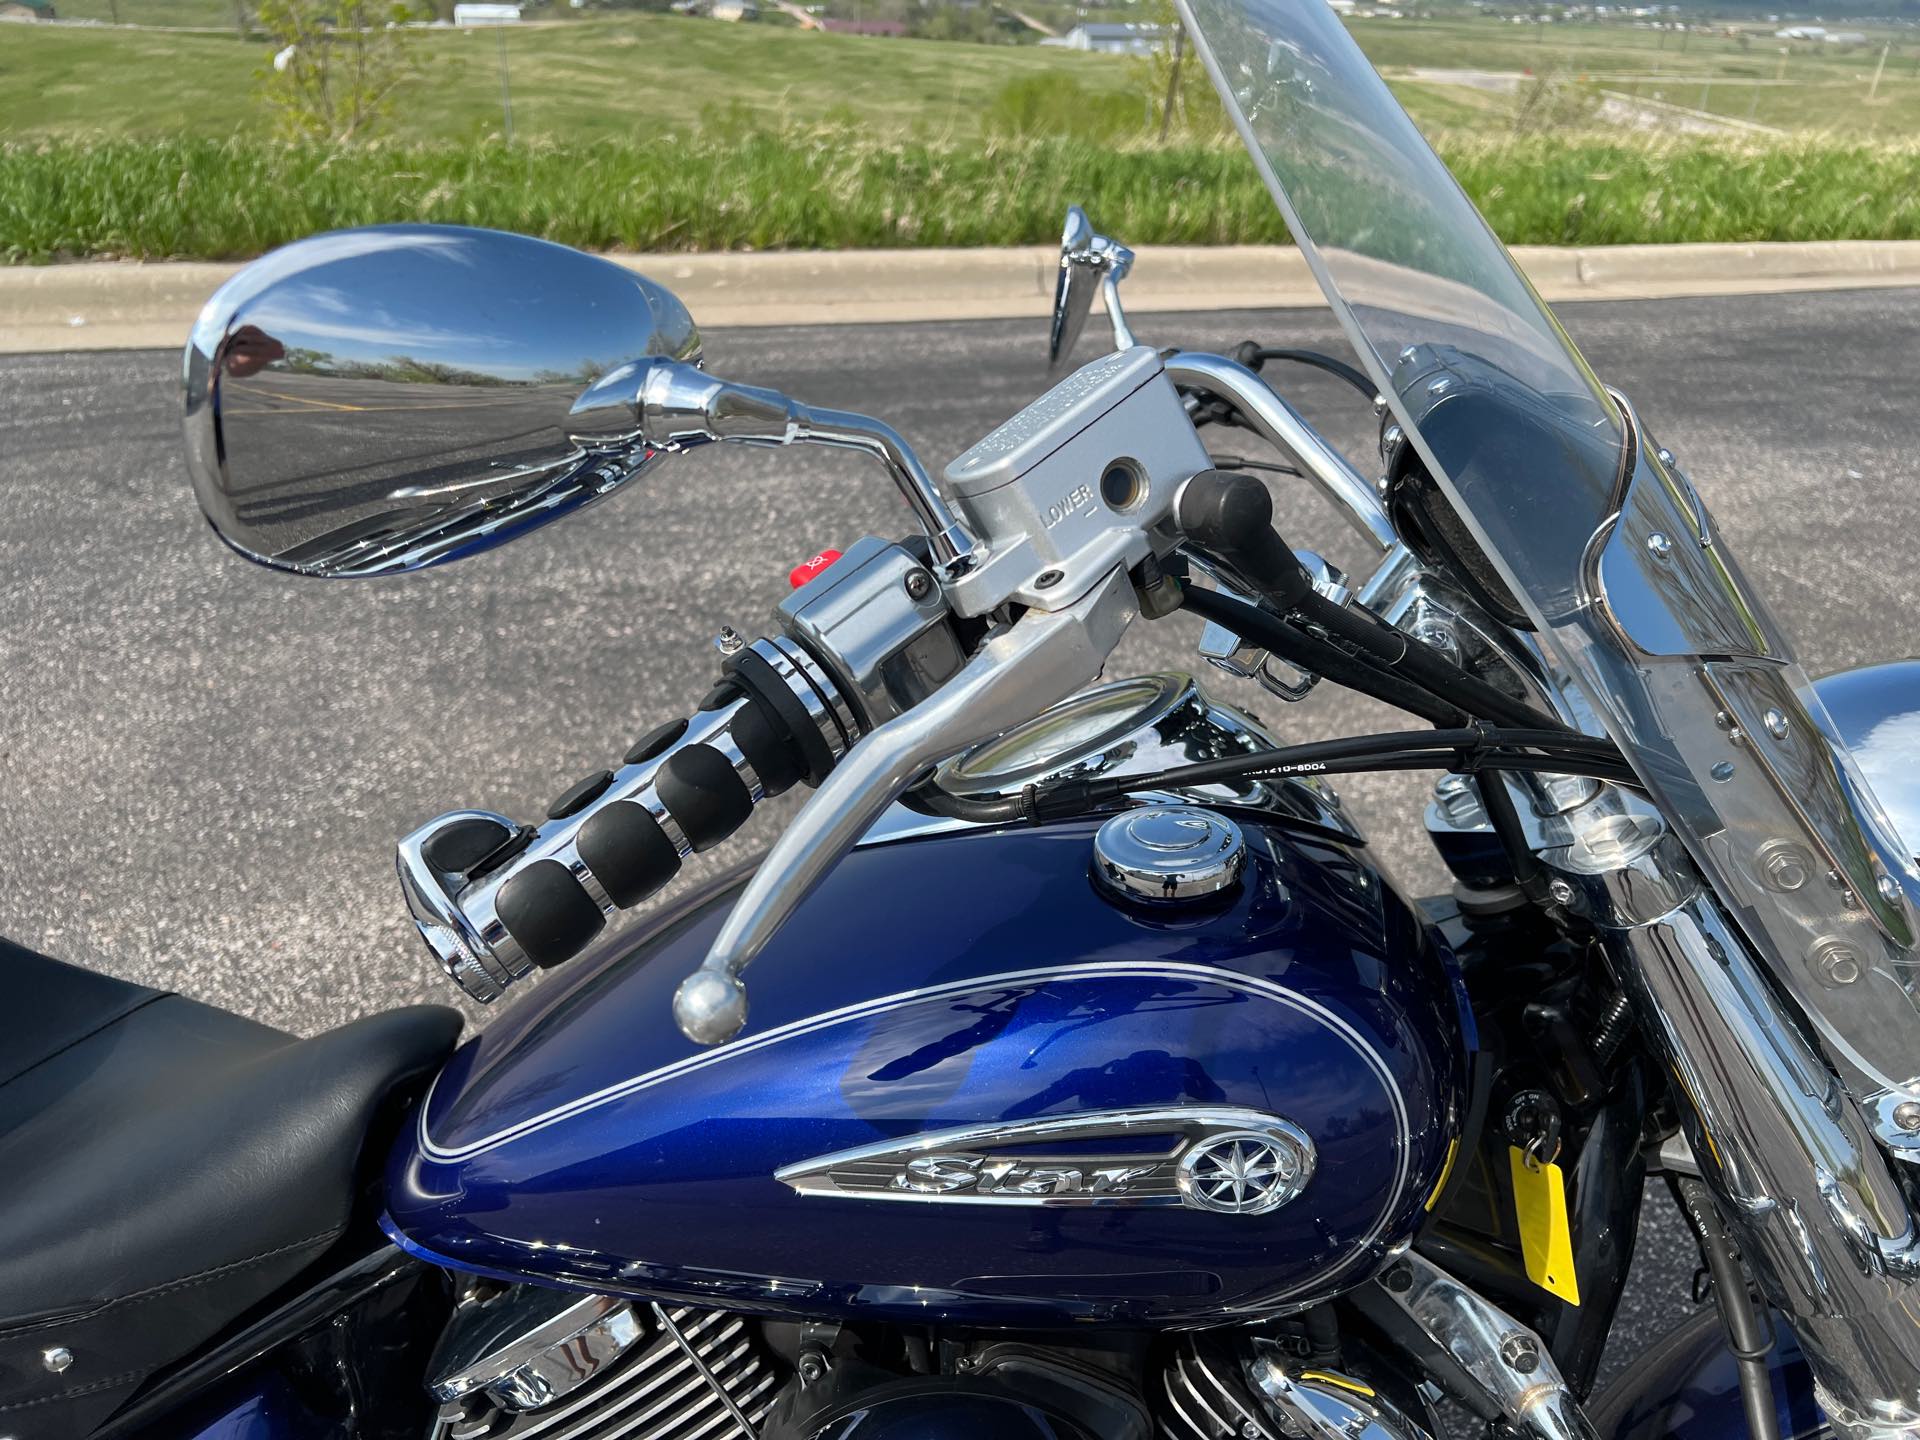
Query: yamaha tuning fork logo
[(1225, 1160)]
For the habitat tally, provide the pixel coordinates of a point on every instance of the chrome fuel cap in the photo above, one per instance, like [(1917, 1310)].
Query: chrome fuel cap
[(1168, 853)]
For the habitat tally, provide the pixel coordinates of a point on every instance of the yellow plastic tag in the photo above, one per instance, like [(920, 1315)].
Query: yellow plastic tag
[(1540, 1202)]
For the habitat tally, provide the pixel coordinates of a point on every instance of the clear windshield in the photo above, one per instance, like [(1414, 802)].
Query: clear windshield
[(1605, 546)]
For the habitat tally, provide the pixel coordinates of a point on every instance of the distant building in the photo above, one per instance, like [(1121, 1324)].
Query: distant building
[(486, 14), (1844, 37), (735, 10), (1801, 32), (1110, 38), (891, 28), (27, 10)]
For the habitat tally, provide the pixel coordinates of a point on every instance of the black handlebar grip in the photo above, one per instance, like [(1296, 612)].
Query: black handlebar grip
[(1230, 517), (628, 852), (704, 794), (630, 846), (548, 911)]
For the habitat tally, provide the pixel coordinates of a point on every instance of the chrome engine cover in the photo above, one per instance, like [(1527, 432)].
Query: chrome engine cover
[(522, 1360)]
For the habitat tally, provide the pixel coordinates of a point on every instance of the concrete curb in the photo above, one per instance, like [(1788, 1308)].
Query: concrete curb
[(126, 306)]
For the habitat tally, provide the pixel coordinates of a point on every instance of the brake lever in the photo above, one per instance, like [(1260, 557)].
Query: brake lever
[(1043, 657)]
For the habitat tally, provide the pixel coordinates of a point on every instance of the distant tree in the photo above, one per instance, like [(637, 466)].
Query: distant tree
[(336, 64), (1179, 98)]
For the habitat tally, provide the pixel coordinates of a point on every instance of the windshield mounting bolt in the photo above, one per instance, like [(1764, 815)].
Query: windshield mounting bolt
[(1777, 724), (1664, 455), (919, 584), (1838, 962), (1907, 1115), (56, 1358), (1659, 546), (729, 641), (1889, 889), (1561, 892), (1520, 1354), (1784, 866)]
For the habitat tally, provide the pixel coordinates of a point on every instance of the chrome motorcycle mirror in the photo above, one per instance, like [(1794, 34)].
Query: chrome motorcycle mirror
[(1087, 262), (379, 400)]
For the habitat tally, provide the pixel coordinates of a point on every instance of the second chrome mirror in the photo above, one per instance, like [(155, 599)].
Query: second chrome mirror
[(1088, 262), (380, 400)]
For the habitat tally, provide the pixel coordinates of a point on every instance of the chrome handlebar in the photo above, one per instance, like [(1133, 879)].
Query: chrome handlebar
[(677, 406)]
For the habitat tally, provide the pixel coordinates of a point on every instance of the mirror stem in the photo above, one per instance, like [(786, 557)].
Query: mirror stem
[(1110, 296), (680, 406), (953, 544)]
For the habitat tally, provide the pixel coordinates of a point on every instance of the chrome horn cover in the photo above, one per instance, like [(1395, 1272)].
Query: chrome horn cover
[(1876, 709)]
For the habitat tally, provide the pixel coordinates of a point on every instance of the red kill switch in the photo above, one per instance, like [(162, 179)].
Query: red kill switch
[(807, 569)]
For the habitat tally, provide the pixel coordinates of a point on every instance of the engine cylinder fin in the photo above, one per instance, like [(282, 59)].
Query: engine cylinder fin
[(654, 1393), (1202, 1404)]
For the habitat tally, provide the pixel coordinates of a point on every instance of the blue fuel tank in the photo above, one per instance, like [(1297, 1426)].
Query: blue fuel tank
[(975, 1088)]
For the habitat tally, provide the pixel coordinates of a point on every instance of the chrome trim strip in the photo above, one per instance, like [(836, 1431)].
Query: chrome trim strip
[(1199, 974), (1194, 1129)]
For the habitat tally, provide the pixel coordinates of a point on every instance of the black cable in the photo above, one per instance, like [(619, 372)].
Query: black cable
[(1505, 819), (1241, 462), (1468, 750), (1338, 368), (1747, 1335), (1318, 657), (1464, 750), (1420, 663)]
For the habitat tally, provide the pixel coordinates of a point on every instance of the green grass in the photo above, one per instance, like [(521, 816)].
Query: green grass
[(654, 132), (620, 77), (830, 187), (190, 14)]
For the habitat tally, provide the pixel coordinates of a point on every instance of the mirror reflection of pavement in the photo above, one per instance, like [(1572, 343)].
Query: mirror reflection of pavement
[(206, 766), (316, 446)]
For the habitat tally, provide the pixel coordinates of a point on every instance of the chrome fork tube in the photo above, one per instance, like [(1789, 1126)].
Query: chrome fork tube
[(1789, 1158)]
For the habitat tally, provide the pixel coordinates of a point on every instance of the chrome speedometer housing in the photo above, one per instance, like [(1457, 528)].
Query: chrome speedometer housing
[(1138, 726)]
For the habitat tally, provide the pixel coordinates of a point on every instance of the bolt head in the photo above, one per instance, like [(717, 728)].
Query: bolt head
[(729, 641), (1907, 1115), (1777, 724), (1665, 455), (1722, 771), (1520, 1354), (919, 584), (1784, 866), (1561, 892), (1838, 962), (1398, 1279), (1658, 545), (1889, 889), (56, 1358)]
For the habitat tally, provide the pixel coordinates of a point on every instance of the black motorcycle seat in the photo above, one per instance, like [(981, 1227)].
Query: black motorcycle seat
[(164, 1167)]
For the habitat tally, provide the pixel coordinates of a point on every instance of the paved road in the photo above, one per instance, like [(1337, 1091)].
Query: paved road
[(205, 765)]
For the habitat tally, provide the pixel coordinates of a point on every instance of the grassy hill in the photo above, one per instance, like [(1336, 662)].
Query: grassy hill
[(624, 76), (631, 74), (656, 132)]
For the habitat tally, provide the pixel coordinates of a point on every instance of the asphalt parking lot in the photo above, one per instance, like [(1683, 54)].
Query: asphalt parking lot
[(205, 765)]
